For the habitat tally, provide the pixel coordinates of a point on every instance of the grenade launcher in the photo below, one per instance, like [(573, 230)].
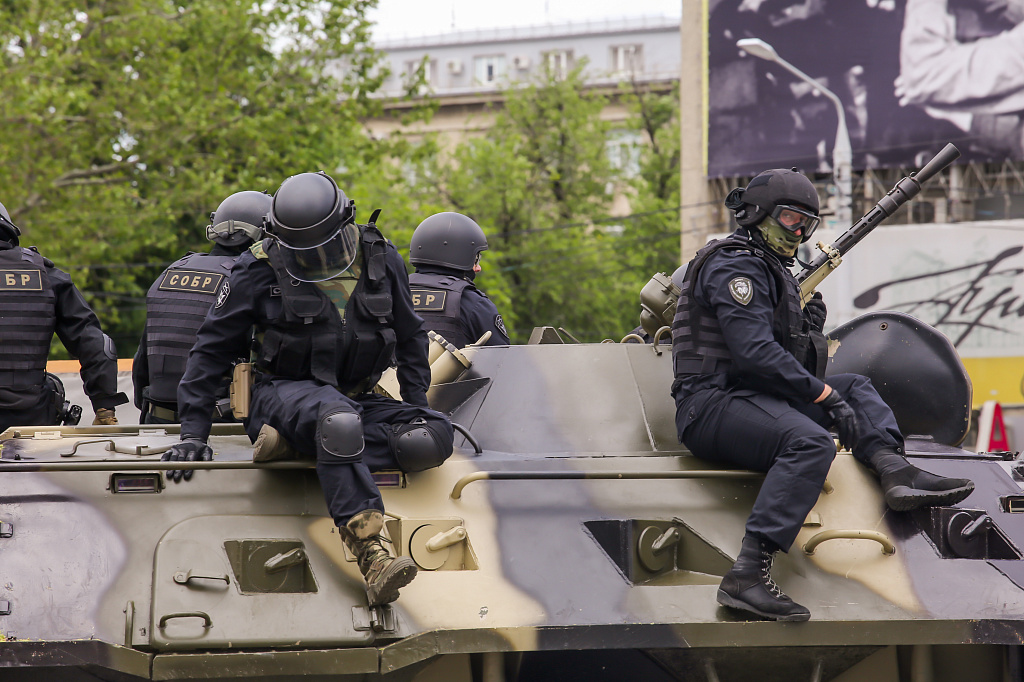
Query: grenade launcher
[(904, 190)]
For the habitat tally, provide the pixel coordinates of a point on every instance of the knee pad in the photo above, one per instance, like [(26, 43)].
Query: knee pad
[(421, 445), (340, 436)]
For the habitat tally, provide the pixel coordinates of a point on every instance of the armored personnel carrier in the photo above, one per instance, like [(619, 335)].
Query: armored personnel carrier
[(569, 537)]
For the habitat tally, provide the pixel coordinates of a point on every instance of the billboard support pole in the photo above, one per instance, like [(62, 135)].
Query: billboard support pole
[(694, 213)]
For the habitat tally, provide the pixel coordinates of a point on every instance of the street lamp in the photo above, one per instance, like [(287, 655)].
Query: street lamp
[(842, 152)]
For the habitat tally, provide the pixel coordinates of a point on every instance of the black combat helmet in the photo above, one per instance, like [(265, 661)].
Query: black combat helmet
[(313, 221), (9, 232), (784, 194), (450, 240), (239, 218)]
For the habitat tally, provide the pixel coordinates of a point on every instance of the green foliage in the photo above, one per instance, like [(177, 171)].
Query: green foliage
[(541, 183), (123, 123)]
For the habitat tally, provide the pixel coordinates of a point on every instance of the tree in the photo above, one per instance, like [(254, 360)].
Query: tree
[(541, 183), (123, 123)]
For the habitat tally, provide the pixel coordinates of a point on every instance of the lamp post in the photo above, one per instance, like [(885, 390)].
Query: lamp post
[(842, 152)]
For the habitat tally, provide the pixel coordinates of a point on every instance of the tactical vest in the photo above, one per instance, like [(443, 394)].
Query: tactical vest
[(176, 306), (28, 317), (310, 340), (438, 300), (698, 346)]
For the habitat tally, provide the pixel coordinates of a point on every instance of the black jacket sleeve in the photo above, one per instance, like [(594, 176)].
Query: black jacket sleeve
[(761, 362), (79, 330), (479, 314), (224, 337), (411, 347)]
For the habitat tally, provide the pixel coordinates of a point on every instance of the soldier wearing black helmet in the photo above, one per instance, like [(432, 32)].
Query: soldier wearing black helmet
[(446, 250), (329, 300), (178, 301), (749, 389), (37, 300)]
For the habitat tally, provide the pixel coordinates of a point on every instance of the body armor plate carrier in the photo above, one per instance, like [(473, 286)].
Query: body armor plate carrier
[(438, 300), (28, 317), (698, 346), (176, 306), (310, 340)]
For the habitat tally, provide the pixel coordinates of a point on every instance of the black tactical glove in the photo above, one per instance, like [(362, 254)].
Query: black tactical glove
[(816, 311), (843, 418), (190, 449)]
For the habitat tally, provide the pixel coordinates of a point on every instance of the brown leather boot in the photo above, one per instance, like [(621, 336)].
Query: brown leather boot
[(384, 574)]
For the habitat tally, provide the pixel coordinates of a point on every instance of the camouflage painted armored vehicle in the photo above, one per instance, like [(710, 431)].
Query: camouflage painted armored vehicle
[(569, 537)]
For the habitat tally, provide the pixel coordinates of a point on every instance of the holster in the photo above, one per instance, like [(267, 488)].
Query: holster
[(241, 389)]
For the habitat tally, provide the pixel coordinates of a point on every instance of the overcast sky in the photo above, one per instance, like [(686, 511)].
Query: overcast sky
[(408, 18)]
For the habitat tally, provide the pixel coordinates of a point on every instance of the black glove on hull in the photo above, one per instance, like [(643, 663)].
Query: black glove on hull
[(188, 450)]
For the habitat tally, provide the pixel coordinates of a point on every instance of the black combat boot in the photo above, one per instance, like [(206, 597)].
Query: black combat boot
[(384, 574), (749, 586), (906, 487)]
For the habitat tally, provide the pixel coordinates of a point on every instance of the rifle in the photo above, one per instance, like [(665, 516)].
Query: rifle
[(904, 190)]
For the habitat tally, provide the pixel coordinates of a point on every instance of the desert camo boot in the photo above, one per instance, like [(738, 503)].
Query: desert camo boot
[(384, 574), (906, 487), (748, 585)]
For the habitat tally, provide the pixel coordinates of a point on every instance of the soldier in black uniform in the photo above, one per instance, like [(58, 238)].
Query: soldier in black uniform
[(178, 301), (329, 300), (36, 300), (445, 251), (748, 386)]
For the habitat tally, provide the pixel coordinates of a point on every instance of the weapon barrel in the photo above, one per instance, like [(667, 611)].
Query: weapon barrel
[(904, 190)]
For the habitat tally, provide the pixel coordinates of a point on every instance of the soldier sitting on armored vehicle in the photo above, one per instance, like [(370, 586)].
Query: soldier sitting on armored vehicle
[(749, 389), (330, 304), (446, 250), (178, 301), (36, 300)]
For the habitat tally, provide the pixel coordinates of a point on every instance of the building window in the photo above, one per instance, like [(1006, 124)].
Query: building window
[(412, 68), (558, 62), (623, 148), (487, 70), (626, 60)]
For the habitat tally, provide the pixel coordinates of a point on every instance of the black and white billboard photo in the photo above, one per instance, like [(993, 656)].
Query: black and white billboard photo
[(911, 75)]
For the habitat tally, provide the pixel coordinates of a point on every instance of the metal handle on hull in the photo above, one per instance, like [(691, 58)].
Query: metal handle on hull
[(207, 621), (888, 548), (597, 475)]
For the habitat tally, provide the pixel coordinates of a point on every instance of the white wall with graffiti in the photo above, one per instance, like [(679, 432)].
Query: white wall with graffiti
[(965, 279)]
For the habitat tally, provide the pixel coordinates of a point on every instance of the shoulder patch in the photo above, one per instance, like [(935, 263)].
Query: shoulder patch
[(258, 251), (741, 289), (222, 295), (500, 324)]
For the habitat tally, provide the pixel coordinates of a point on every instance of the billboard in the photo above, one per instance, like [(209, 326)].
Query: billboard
[(911, 75), (964, 279)]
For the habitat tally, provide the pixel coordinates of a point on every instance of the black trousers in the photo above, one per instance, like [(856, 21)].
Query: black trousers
[(790, 443), (43, 413), (295, 408)]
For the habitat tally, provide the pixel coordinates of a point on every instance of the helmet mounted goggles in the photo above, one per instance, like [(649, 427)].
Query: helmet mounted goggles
[(794, 219)]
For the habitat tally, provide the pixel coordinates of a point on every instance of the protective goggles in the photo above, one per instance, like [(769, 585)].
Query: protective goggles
[(323, 261), (795, 219), (228, 228)]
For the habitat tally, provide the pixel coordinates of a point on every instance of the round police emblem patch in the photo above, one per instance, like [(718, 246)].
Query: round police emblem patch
[(500, 324), (741, 289), (222, 295)]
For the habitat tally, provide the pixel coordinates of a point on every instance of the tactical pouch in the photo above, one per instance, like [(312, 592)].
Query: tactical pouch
[(241, 389)]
